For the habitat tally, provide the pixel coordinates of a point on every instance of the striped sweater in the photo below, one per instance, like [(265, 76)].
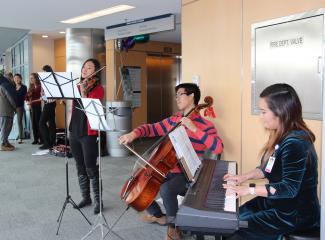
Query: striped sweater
[(206, 136)]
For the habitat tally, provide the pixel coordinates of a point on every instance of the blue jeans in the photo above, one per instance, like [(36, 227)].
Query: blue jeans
[(175, 184)]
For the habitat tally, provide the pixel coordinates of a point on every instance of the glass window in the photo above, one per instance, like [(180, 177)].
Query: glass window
[(25, 51)]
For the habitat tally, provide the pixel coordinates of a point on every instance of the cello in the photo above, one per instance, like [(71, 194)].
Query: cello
[(141, 189)]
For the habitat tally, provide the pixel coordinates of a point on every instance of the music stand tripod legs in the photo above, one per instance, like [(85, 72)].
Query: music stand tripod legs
[(100, 220), (68, 198)]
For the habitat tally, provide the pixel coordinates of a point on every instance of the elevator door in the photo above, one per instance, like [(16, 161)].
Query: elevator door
[(163, 74)]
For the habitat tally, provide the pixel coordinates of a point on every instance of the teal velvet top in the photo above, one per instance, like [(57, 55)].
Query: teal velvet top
[(294, 205)]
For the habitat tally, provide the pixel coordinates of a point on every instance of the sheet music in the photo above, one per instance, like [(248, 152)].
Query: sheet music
[(95, 114), (66, 81), (185, 150)]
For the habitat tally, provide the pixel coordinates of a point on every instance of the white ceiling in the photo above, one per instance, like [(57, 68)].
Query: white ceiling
[(43, 17)]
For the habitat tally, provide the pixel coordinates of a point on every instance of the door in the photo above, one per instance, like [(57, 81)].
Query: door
[(163, 74)]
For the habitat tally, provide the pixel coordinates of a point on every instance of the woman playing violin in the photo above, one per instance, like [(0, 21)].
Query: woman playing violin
[(83, 139), (203, 136)]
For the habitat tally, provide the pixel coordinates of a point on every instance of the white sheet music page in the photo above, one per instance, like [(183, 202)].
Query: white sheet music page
[(66, 81), (185, 150), (95, 113)]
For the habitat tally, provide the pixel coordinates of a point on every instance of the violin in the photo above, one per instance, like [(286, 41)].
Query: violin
[(91, 81), (90, 84), (141, 189)]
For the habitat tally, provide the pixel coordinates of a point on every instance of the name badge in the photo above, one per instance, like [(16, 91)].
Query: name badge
[(270, 164)]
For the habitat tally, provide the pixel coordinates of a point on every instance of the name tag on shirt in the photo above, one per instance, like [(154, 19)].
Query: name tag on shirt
[(270, 164)]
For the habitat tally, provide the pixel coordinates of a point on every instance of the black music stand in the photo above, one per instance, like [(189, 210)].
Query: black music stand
[(62, 85), (96, 118)]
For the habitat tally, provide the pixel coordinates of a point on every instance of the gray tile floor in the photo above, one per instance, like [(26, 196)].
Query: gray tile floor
[(33, 190)]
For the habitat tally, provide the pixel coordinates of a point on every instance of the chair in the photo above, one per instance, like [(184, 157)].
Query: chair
[(312, 234)]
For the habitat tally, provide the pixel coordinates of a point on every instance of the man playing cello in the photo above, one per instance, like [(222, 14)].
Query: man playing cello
[(203, 135)]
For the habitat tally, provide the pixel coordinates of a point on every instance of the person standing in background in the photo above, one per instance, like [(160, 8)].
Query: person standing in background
[(8, 101), (47, 124), (33, 99), (10, 77), (21, 91)]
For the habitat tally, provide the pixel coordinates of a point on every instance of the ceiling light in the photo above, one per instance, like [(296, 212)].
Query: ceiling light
[(107, 11), (62, 32), (45, 36)]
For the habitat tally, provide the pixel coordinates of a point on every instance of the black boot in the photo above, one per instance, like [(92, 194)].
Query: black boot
[(85, 191), (94, 178)]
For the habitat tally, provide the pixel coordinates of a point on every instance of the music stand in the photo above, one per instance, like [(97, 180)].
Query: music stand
[(96, 118), (62, 85)]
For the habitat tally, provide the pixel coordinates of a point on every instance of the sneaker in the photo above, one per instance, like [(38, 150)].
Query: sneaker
[(173, 234), (5, 147), (9, 145), (152, 219)]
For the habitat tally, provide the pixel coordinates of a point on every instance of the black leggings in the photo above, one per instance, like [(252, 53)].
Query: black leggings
[(85, 152), (36, 115), (48, 132)]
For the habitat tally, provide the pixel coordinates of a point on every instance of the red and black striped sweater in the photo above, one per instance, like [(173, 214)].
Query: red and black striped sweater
[(206, 136)]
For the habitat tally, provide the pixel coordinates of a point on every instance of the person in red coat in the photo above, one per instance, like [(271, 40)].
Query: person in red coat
[(33, 98), (83, 140)]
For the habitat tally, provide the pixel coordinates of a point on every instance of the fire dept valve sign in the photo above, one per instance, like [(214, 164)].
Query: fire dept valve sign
[(290, 50)]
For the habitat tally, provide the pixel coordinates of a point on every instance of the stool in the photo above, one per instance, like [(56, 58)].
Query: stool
[(312, 234)]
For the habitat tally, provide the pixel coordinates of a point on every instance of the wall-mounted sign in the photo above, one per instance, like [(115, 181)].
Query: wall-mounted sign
[(131, 84), (142, 26), (290, 50)]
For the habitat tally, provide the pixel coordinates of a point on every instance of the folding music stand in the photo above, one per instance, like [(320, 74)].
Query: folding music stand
[(96, 118), (62, 85)]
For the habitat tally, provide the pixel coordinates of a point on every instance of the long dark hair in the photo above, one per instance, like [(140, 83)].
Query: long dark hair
[(47, 68), (37, 83), (97, 67), (284, 102), (21, 78)]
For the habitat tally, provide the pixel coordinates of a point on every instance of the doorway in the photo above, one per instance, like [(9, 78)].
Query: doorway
[(163, 74)]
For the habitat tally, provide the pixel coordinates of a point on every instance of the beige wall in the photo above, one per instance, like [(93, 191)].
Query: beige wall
[(211, 48), (42, 52), (60, 55), (270, 10), (218, 48), (51, 52)]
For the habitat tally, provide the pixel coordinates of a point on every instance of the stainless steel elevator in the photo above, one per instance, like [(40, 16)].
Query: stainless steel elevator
[(163, 74)]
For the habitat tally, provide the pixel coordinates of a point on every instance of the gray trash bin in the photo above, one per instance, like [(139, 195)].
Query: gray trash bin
[(119, 120)]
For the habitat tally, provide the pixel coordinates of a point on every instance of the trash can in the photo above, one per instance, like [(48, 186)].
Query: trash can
[(119, 121)]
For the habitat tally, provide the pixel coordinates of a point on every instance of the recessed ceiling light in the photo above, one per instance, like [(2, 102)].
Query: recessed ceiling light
[(45, 36), (62, 32), (107, 11)]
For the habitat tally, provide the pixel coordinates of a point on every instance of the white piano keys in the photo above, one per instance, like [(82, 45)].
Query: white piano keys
[(230, 199)]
